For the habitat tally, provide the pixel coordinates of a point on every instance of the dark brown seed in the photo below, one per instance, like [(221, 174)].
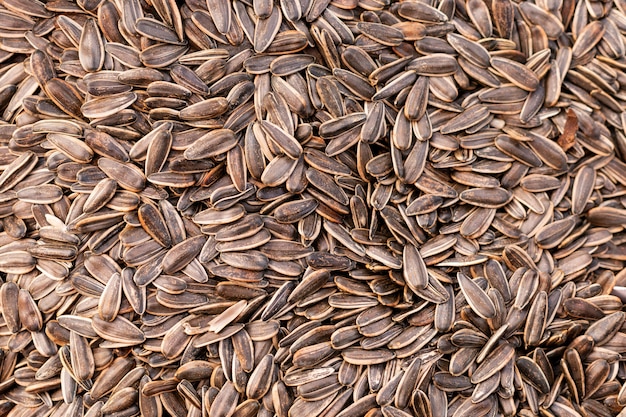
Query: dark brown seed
[(154, 224), (65, 96)]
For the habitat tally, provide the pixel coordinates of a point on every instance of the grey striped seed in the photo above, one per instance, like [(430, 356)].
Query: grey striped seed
[(476, 297), (516, 73)]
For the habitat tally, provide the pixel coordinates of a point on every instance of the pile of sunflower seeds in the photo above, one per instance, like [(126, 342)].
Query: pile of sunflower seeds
[(312, 208)]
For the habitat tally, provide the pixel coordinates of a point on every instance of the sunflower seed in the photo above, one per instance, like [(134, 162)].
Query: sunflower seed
[(254, 229)]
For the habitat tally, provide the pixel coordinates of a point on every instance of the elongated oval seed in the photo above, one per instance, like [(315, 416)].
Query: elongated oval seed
[(213, 143), (91, 47), (41, 194), (516, 73), (476, 297), (584, 183), (206, 109), (9, 293), (30, 316), (496, 360), (414, 269)]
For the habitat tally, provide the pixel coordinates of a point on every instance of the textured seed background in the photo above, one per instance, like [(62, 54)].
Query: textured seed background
[(301, 208)]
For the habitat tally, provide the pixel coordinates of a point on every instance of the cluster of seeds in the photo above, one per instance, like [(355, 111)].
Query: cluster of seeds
[(302, 208)]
